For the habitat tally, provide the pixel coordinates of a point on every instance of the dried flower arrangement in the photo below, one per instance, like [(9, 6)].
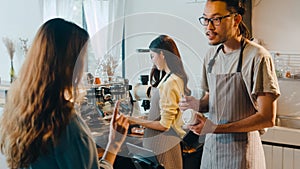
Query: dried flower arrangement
[(109, 64), (11, 50), (10, 47)]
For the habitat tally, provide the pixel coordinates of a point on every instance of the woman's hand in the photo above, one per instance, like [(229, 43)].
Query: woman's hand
[(188, 102), (118, 130), (118, 127)]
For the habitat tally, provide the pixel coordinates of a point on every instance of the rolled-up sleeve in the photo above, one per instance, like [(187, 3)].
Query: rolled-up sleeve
[(265, 79)]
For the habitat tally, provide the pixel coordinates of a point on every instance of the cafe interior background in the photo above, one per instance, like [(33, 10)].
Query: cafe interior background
[(122, 29)]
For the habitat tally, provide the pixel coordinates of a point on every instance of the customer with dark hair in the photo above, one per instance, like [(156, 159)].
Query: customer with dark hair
[(239, 78), (163, 131), (40, 127)]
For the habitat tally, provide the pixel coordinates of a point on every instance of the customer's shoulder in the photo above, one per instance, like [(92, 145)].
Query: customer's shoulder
[(76, 126)]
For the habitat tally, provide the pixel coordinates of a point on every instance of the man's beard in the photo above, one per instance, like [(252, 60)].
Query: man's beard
[(216, 43)]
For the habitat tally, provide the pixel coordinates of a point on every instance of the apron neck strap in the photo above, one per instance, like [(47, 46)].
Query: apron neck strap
[(167, 76), (239, 68), (243, 44), (212, 61)]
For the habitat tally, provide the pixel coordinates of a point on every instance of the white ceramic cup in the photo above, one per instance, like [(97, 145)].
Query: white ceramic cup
[(189, 117)]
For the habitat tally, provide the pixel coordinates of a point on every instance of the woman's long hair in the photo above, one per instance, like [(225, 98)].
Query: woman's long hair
[(166, 44), (39, 102)]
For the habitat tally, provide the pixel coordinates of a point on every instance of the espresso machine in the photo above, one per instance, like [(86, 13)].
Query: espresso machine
[(141, 92), (104, 96)]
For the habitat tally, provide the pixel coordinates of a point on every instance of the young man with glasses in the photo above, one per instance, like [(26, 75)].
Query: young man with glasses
[(242, 89)]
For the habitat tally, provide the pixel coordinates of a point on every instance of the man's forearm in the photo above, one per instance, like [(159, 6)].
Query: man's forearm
[(203, 104)]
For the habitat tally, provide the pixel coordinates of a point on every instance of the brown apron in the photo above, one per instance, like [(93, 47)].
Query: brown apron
[(229, 101), (165, 144)]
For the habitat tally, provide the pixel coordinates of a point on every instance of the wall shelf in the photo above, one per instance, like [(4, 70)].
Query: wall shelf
[(287, 65)]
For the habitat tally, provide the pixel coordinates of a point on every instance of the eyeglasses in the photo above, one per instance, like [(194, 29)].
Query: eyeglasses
[(215, 21)]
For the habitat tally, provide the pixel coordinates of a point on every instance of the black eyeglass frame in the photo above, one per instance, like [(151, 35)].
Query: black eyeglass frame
[(218, 20)]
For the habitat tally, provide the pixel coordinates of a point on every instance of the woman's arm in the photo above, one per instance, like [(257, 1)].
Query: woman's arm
[(117, 134), (155, 125)]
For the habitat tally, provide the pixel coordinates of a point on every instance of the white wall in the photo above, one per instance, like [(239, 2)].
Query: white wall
[(277, 23), (19, 19)]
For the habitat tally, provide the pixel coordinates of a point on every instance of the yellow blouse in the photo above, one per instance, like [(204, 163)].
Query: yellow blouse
[(170, 90)]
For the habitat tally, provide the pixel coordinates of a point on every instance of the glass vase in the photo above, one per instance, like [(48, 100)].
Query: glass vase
[(12, 72)]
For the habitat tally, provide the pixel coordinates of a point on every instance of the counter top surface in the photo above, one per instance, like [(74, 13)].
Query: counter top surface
[(276, 134), (282, 135)]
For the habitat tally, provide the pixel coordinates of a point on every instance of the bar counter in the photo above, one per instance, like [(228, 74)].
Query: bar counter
[(99, 127)]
